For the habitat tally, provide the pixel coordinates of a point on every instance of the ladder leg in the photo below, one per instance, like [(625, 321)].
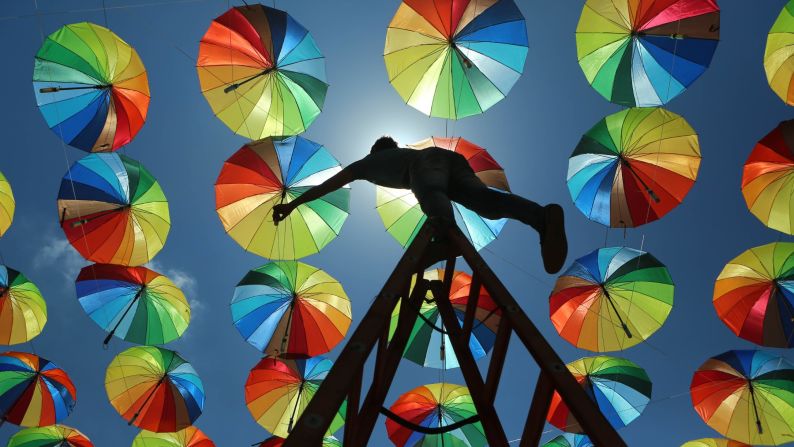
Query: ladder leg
[(536, 419), (497, 359)]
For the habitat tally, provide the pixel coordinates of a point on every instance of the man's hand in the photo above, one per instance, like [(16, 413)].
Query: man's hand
[(281, 211)]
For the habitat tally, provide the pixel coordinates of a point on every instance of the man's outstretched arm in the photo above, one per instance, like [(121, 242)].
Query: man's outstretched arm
[(340, 179)]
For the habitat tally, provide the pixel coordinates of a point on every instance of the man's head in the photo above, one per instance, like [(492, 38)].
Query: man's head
[(382, 143)]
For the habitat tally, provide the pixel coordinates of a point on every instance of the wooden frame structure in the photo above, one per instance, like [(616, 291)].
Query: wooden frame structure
[(344, 381)]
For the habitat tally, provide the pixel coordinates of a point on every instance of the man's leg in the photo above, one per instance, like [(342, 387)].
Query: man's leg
[(429, 183)]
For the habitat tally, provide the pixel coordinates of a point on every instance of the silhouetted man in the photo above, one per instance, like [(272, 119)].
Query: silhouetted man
[(436, 176)]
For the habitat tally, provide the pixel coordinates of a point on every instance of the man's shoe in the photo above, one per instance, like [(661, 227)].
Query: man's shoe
[(553, 244)]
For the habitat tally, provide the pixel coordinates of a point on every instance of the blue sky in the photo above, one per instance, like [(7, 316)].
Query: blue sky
[(531, 132)]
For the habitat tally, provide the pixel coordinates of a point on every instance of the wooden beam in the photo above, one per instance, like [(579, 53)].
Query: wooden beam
[(497, 359), (536, 420)]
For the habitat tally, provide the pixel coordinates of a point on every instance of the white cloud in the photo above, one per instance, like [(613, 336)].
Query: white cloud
[(57, 253)]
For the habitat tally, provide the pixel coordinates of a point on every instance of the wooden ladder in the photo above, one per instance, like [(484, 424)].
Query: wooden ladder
[(344, 381)]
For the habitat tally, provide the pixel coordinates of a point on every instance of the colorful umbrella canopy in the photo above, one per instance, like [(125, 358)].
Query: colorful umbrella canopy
[(430, 347), (400, 212), (767, 181), (34, 392), (261, 72), (275, 441), (633, 167), (23, 311), (269, 172), (277, 391), (778, 60), (187, 437), (645, 53), (714, 442), (49, 436), (453, 59), (620, 389), (754, 295), (112, 210), (569, 440), (91, 87), (7, 204), (154, 389), (133, 303), (747, 396), (290, 309), (436, 405), (611, 299)]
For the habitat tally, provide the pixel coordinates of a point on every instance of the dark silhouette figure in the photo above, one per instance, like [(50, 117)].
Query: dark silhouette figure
[(437, 176)]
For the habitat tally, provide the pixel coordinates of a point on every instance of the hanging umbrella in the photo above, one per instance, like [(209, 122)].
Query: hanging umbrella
[(34, 392), (620, 389), (569, 440), (113, 210), (767, 182), (429, 344), (187, 437), (611, 299), (269, 172), (778, 61), (453, 59), (400, 212), (154, 389), (290, 309), (645, 53), (91, 87), (633, 167), (23, 311), (133, 303), (277, 392), (261, 72), (436, 405), (50, 436), (275, 441), (7, 204), (747, 396), (714, 442), (754, 295)]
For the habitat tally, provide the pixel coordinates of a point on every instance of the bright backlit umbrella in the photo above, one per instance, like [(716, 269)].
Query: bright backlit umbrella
[(633, 167), (7, 204), (714, 442), (113, 210), (187, 437), (23, 311), (269, 172), (778, 60), (452, 59), (261, 72), (645, 53), (50, 436), (34, 392), (569, 440), (91, 87)]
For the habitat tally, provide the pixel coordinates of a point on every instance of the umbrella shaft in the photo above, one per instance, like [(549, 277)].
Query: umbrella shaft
[(95, 216), (234, 87), (642, 182), (295, 408), (58, 89), (124, 315), (151, 393), (614, 308), (755, 408)]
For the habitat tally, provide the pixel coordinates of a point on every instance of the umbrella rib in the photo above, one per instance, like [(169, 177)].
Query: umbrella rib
[(433, 53)]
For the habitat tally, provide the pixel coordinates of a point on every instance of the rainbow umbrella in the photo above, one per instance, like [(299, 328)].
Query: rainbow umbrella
[(133, 303), (269, 172), (754, 295), (778, 60), (187, 437), (767, 181), (611, 299), (620, 389), (34, 392), (400, 212), (633, 167), (714, 442), (112, 210), (453, 59), (50, 436), (23, 311), (7, 204), (290, 309), (436, 405), (277, 391), (747, 396), (569, 440), (154, 389), (429, 344), (261, 72), (91, 87), (275, 441), (645, 53)]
